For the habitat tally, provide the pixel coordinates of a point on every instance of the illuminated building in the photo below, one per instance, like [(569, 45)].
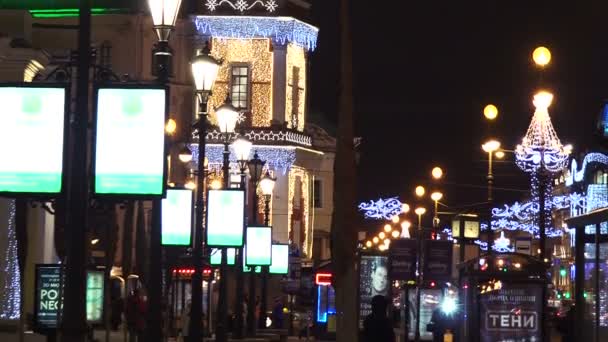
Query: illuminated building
[(264, 46)]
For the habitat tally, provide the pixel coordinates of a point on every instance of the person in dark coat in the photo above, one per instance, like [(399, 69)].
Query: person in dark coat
[(376, 326)]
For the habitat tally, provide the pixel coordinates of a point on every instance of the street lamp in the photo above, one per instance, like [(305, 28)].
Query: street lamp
[(490, 112), (490, 147), (420, 191), (437, 172), (541, 56), (436, 197), (164, 15), (227, 117), (267, 186), (242, 149), (204, 72), (405, 208), (388, 228), (405, 229), (419, 211), (185, 155)]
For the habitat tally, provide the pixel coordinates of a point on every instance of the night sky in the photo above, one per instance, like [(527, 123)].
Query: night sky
[(424, 71)]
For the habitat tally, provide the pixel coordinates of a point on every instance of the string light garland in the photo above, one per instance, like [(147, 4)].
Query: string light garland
[(242, 5), (11, 294), (296, 173), (281, 30), (277, 157), (264, 135), (575, 175), (296, 62)]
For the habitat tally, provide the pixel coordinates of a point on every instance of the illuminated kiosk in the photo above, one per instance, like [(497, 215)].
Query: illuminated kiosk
[(591, 275), (503, 298)]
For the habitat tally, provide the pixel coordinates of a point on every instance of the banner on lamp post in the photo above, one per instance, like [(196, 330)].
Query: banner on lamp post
[(438, 259), (225, 218), (259, 242), (33, 123), (177, 218), (129, 145), (402, 259)]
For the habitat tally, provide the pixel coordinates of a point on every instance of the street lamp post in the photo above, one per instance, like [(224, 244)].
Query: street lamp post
[(242, 148), (255, 171), (164, 16), (204, 72), (419, 211), (267, 186), (490, 147), (436, 197), (227, 117)]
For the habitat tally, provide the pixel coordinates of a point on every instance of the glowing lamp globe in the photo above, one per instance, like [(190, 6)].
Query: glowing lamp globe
[(499, 154), (170, 127), (375, 239), (395, 219), (491, 146), (395, 234), (368, 244), (542, 100), (420, 211), (185, 156), (490, 112), (388, 228), (541, 56), (436, 196), (242, 148), (227, 117), (164, 15), (204, 71), (405, 208), (381, 235), (420, 191), (267, 184), (437, 172), (406, 225)]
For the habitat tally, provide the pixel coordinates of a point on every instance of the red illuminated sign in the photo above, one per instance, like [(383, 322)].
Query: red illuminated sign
[(323, 279)]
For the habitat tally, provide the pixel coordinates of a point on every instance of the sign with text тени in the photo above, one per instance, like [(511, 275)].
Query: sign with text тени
[(32, 121), (225, 218), (177, 217), (130, 141), (259, 241)]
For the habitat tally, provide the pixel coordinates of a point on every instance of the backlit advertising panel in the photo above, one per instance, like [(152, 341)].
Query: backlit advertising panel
[(130, 141), (216, 256), (225, 218), (32, 124), (373, 281), (259, 243), (280, 259), (177, 218), (95, 280)]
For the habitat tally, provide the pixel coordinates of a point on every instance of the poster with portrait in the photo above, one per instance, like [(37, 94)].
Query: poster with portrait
[(373, 281)]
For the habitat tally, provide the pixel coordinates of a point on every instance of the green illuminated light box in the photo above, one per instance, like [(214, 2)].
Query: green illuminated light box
[(32, 118), (94, 296), (280, 259), (225, 218), (216, 256), (129, 154), (67, 8), (177, 218), (259, 239)]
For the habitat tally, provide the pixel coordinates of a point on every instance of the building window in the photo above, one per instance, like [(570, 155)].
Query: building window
[(239, 91), (318, 193)]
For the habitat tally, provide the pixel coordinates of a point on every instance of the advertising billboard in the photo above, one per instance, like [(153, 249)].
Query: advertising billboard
[(129, 154), (373, 281), (47, 297), (32, 125), (259, 242), (438, 260), (225, 218), (177, 218), (511, 313), (280, 259), (402, 259)]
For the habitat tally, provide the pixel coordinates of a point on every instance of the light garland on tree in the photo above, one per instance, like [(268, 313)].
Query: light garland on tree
[(281, 30), (11, 289)]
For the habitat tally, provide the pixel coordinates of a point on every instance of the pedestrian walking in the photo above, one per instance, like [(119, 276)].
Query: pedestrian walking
[(376, 326)]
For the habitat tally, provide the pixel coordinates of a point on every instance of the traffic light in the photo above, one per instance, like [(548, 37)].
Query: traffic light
[(562, 271)]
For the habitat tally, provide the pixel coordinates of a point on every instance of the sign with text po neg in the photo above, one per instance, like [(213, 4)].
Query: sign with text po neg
[(402, 259)]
